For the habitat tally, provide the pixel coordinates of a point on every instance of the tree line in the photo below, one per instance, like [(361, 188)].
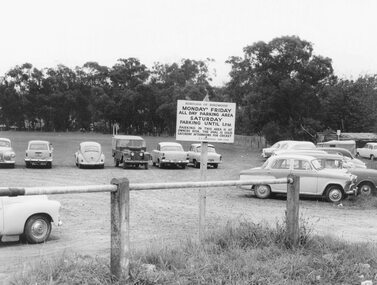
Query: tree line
[(281, 88)]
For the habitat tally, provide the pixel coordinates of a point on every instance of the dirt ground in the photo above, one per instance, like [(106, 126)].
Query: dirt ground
[(158, 216)]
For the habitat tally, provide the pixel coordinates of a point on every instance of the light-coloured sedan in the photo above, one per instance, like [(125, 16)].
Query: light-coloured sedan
[(39, 153), (194, 154), (334, 185), (89, 154), (28, 216), (169, 153), (7, 154)]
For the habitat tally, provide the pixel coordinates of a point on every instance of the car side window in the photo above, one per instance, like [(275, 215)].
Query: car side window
[(281, 164), (299, 164)]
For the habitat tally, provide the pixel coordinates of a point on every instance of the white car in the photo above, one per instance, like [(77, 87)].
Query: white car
[(7, 155), (295, 145), (28, 216), (169, 153), (368, 151), (267, 151), (89, 154), (39, 153), (213, 158), (334, 185)]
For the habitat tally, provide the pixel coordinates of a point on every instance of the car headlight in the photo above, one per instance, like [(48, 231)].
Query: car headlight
[(141, 153), (132, 154)]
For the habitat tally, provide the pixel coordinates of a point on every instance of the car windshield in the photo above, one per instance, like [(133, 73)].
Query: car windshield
[(265, 164), (90, 148), (317, 164), (131, 143), (38, 146), (171, 148), (4, 143)]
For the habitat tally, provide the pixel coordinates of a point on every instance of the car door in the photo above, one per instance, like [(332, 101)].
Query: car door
[(280, 168), (308, 176)]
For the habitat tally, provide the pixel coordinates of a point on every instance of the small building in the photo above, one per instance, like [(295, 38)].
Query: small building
[(360, 138)]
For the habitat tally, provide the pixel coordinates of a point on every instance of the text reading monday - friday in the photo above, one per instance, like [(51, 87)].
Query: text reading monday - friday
[(209, 115)]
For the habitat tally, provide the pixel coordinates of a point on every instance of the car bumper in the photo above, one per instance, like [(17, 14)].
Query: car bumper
[(7, 162), (136, 161), (38, 161), (351, 190), (172, 161)]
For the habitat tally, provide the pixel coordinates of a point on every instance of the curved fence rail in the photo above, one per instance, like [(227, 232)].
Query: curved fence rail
[(120, 188)]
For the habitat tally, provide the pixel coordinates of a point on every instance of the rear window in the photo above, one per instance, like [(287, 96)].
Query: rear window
[(4, 144), (90, 148), (172, 148), (38, 146)]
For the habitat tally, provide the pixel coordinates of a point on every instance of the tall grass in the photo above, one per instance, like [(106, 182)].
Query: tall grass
[(242, 253)]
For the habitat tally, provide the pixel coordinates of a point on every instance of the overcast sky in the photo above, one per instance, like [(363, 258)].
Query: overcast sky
[(71, 32)]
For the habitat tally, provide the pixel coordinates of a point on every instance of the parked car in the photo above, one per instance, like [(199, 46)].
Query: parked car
[(7, 154), (294, 145), (130, 151), (366, 178), (334, 185), (169, 153), (89, 154), (28, 216), (267, 151), (368, 151), (194, 153), (347, 155), (39, 153)]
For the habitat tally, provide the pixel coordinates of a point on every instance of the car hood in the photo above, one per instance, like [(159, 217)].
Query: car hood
[(5, 149), (23, 199)]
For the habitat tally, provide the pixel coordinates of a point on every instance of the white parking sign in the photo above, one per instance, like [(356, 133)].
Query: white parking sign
[(205, 121)]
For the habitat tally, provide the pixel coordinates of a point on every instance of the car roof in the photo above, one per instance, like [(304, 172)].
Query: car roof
[(169, 143), (334, 148), (5, 139), (198, 144), (326, 155), (293, 156), (125, 137), (39, 141), (89, 143), (372, 143)]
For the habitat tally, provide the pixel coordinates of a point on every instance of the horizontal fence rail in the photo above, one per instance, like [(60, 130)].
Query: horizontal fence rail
[(21, 191), (120, 207)]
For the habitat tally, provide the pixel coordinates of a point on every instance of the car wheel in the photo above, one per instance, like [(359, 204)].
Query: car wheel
[(365, 189), (334, 194), (49, 164), (215, 165), (146, 166), (154, 163), (262, 191), (159, 164), (27, 164), (183, 166), (196, 164), (37, 229), (371, 157)]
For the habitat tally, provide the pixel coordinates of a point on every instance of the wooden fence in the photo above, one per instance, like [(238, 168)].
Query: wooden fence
[(120, 188), (253, 142)]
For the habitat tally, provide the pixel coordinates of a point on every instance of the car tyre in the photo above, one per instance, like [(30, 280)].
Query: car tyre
[(196, 164), (215, 165), (366, 189), (49, 164), (116, 162), (262, 191), (146, 166), (37, 229), (371, 157), (334, 194)]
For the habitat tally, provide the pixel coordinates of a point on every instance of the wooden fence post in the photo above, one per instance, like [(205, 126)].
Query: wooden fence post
[(120, 229), (292, 214), (203, 190)]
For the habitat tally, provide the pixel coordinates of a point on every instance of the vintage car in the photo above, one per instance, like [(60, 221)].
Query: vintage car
[(29, 217), (39, 153), (130, 151), (7, 155), (267, 151), (368, 151), (294, 145), (334, 185), (89, 154), (366, 178), (169, 153), (347, 155), (213, 158)]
